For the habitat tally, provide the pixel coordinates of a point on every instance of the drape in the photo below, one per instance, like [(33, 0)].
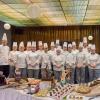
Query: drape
[(64, 33)]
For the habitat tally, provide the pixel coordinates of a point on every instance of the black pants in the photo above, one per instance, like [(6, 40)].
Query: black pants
[(86, 74), (5, 69)]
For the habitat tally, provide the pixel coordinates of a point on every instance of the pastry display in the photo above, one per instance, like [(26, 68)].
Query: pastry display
[(95, 82), (23, 81), (61, 91), (33, 81), (42, 93), (83, 89)]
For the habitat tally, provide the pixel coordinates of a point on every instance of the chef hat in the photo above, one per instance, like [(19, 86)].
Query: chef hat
[(73, 43), (21, 44), (45, 45), (70, 45), (84, 39), (65, 44), (1, 72), (93, 47), (15, 44), (89, 45), (57, 41), (29, 44), (33, 43), (40, 43), (81, 44), (52, 44), (4, 37)]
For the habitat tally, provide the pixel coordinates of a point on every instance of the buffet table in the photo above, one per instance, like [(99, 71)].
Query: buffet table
[(66, 92), (12, 94)]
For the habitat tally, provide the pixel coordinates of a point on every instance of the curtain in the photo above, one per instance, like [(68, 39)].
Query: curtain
[(64, 33)]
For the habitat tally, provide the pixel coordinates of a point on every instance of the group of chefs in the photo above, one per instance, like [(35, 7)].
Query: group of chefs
[(83, 60)]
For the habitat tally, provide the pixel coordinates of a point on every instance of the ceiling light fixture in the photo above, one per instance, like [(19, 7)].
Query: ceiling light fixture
[(33, 11), (7, 26)]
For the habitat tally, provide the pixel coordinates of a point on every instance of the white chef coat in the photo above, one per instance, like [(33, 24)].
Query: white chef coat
[(4, 55), (94, 59), (58, 60), (87, 57), (75, 51), (33, 60), (65, 53), (85, 50), (27, 52), (21, 60), (12, 57), (70, 59), (46, 61), (51, 53), (80, 59), (40, 53)]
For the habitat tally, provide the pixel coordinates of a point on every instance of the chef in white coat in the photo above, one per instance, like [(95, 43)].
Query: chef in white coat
[(94, 64), (74, 50), (87, 54), (4, 56), (58, 63), (33, 61), (80, 65), (21, 63), (46, 63), (70, 62), (52, 52), (40, 52), (12, 59)]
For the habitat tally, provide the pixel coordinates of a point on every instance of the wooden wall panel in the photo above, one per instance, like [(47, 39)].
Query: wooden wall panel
[(48, 34)]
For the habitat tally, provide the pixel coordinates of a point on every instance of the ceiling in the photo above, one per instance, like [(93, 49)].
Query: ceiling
[(53, 12)]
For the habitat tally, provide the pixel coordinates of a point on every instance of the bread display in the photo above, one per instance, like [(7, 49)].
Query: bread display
[(83, 89)]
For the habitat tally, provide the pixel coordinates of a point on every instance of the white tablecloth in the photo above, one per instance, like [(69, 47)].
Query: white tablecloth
[(12, 94)]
